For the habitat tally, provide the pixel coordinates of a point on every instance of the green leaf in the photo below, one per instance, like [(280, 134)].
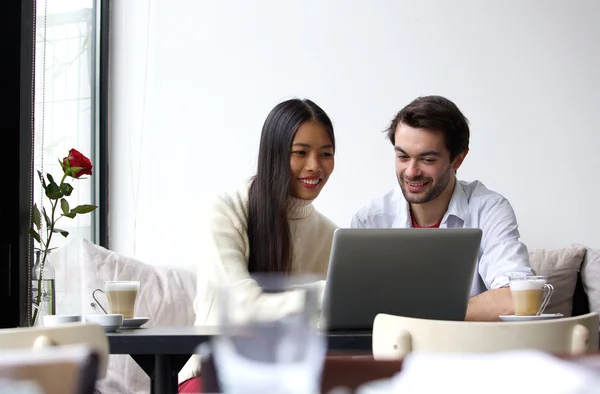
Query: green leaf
[(50, 178), (53, 192), (54, 196), (42, 179), (35, 235), (46, 218), (86, 208), (64, 205), (66, 189), (63, 232), (70, 215), (37, 218)]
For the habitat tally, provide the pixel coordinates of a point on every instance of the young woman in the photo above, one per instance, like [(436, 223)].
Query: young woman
[(269, 225)]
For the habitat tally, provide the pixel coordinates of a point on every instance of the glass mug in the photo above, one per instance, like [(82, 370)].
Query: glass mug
[(530, 294), (121, 295), (269, 341)]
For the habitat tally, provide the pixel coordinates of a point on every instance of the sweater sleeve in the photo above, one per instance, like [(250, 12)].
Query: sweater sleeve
[(221, 250), (223, 243)]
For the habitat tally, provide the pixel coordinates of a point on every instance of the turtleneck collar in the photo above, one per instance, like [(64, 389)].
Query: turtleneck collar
[(299, 209)]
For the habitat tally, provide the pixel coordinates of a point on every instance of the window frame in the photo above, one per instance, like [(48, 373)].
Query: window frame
[(101, 115), (16, 125), (17, 76)]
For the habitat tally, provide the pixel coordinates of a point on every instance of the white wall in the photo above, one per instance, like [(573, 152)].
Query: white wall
[(192, 82)]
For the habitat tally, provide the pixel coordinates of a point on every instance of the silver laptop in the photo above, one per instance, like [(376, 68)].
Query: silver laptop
[(423, 273)]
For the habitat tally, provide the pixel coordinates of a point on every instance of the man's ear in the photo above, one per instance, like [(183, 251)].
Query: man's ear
[(458, 160)]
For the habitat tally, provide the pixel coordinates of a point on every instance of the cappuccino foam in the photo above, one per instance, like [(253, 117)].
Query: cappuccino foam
[(527, 284), (121, 286)]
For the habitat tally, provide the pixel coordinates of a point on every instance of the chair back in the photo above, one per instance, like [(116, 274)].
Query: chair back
[(91, 335), (69, 369), (396, 336)]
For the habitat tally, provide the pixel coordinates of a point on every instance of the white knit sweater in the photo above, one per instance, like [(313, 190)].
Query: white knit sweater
[(223, 253)]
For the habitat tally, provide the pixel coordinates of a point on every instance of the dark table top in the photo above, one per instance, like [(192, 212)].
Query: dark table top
[(184, 340)]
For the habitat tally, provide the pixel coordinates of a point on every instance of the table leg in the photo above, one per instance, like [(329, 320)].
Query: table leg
[(162, 370), (164, 379)]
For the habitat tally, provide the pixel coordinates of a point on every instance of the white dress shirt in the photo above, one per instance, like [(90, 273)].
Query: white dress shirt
[(472, 205)]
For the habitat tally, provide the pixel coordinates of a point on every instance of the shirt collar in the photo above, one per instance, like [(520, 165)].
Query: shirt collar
[(458, 207), (459, 204)]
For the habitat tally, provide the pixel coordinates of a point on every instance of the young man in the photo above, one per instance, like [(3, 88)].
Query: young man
[(431, 139)]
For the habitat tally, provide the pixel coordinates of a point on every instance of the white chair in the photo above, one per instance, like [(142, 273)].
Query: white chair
[(396, 336), (91, 335), (71, 369)]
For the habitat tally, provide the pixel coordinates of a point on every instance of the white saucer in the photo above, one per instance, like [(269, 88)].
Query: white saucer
[(135, 322), (110, 328), (543, 316)]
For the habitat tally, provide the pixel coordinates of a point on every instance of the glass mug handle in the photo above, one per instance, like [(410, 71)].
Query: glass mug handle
[(98, 302), (548, 290)]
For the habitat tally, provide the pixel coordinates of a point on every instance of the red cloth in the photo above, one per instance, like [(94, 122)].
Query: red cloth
[(191, 386), (416, 225)]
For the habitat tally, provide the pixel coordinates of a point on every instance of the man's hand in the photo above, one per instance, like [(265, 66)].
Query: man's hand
[(488, 305)]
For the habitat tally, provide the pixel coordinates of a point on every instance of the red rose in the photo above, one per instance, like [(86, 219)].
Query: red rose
[(79, 164)]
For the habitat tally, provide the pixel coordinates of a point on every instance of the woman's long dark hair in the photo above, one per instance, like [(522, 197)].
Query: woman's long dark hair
[(269, 196)]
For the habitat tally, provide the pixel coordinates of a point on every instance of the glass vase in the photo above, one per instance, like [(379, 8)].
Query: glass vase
[(42, 278)]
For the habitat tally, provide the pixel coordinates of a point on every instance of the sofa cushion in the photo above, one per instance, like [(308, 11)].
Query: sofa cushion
[(590, 274), (166, 297), (561, 267)]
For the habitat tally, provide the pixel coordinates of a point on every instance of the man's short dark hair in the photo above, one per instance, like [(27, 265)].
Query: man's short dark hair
[(438, 114)]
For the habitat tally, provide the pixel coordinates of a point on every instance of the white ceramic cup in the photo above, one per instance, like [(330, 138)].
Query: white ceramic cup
[(58, 320)]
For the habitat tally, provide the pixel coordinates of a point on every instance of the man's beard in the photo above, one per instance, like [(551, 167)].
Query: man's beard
[(435, 188)]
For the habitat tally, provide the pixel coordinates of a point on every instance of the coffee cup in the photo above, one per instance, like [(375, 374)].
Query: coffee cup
[(530, 294), (121, 295)]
